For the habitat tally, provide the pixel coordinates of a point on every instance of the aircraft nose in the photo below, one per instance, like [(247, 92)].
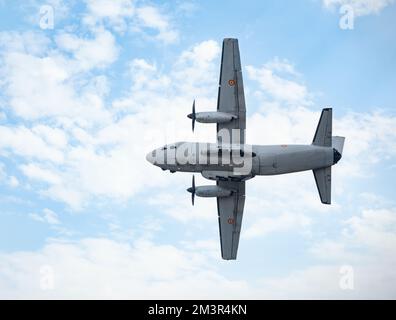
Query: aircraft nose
[(150, 157)]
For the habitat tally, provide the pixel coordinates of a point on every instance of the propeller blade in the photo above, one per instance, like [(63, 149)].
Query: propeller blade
[(193, 187), (192, 190), (193, 115)]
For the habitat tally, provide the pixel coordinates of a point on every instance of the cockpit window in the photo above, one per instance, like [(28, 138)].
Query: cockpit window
[(173, 146)]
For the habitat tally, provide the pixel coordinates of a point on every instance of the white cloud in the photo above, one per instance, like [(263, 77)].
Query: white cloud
[(90, 53), (179, 207), (284, 223), (323, 282), (361, 7), (74, 198), (53, 136), (8, 180), (150, 17), (50, 92), (25, 143), (122, 15), (46, 78), (2, 172), (372, 140), (273, 79), (194, 74), (375, 229), (366, 243), (47, 216), (331, 250), (366, 237), (112, 12), (147, 76), (283, 66), (35, 172), (31, 42), (102, 268), (13, 182)]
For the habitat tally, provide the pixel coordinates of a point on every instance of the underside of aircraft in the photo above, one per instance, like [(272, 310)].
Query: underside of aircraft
[(231, 162)]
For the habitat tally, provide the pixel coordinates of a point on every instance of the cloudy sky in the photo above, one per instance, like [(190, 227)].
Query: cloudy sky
[(85, 95)]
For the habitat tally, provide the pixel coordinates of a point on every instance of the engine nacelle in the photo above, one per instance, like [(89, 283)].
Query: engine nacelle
[(212, 191), (213, 117)]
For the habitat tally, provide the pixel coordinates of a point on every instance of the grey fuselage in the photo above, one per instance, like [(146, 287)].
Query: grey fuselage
[(241, 162)]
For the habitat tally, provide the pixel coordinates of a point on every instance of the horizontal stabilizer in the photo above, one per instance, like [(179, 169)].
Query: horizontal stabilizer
[(323, 183), (324, 129)]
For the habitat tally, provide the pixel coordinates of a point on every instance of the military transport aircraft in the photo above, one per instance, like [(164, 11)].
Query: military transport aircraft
[(230, 162)]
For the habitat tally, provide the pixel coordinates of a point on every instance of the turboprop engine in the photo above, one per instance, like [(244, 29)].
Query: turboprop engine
[(207, 191), (209, 117)]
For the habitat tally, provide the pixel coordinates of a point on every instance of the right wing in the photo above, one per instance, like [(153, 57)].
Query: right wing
[(230, 212), (231, 98)]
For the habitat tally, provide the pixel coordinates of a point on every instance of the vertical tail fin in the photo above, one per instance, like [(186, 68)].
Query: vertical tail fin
[(324, 129), (338, 143)]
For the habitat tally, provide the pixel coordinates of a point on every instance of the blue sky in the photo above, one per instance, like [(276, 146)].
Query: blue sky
[(83, 215)]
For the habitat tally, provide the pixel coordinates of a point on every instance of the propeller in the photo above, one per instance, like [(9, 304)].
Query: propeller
[(192, 116), (192, 190)]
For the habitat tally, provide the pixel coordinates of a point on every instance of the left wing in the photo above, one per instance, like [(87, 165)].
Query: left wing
[(230, 212), (231, 98)]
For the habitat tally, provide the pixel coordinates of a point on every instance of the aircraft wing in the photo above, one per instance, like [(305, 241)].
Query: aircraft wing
[(230, 212), (231, 98)]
